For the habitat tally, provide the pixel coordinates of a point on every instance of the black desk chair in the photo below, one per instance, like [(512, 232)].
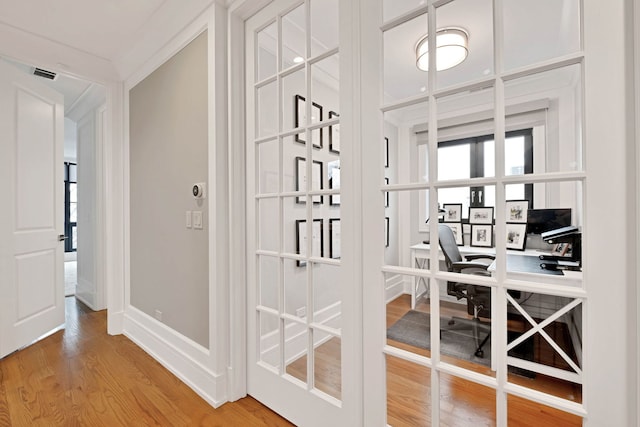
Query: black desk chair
[(478, 297)]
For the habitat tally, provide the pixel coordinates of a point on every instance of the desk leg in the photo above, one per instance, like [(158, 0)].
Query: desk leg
[(422, 263)]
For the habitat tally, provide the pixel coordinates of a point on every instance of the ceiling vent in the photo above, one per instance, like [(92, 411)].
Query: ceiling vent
[(44, 73)]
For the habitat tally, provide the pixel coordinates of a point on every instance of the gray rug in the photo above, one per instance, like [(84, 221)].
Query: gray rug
[(414, 329)]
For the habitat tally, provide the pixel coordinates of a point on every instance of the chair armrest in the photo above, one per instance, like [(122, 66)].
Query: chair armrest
[(472, 257), (457, 267)]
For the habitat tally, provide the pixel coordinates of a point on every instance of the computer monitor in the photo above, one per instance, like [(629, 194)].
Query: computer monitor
[(541, 220)]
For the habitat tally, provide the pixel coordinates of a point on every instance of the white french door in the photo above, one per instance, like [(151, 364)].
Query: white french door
[(32, 217), (296, 310)]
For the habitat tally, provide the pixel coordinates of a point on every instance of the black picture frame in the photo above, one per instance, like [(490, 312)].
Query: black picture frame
[(452, 212), (516, 236), (386, 152), (481, 215), (334, 134), (316, 234), (481, 235), (386, 231), (299, 112), (333, 172), (334, 238), (386, 193), (301, 178), (516, 211)]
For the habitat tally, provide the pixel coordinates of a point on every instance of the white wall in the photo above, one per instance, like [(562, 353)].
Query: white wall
[(70, 140), (90, 288)]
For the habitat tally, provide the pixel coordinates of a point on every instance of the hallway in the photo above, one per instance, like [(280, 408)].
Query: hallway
[(82, 376)]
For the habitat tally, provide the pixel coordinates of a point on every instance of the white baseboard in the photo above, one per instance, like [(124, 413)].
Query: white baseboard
[(185, 358), (115, 322), (86, 301), (394, 287)]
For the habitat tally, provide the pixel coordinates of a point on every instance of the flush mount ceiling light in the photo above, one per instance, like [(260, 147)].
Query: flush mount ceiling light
[(452, 49)]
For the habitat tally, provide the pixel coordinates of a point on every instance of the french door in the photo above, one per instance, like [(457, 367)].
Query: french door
[(297, 349)]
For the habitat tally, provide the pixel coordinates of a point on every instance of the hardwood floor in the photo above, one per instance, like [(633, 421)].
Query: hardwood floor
[(83, 377)]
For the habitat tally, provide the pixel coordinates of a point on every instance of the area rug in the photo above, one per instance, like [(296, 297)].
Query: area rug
[(414, 329)]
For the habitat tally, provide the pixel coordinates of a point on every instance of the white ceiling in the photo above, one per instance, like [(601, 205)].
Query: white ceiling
[(103, 28)]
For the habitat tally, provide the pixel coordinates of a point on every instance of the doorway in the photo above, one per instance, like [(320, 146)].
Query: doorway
[(84, 115)]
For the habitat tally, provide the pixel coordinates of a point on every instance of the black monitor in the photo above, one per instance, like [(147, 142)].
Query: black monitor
[(541, 220)]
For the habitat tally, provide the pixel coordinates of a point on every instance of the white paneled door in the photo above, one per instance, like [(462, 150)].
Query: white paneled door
[(297, 348), (31, 218)]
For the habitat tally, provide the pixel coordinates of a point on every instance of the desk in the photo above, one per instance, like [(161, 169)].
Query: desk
[(521, 265)]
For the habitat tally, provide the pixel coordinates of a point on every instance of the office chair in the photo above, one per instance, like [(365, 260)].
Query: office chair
[(478, 297)]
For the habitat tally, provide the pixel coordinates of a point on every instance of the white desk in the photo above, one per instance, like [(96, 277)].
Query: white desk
[(420, 254)]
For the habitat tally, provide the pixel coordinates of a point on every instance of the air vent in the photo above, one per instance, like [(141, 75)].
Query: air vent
[(44, 73)]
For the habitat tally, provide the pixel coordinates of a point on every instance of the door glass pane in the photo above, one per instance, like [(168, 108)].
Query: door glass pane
[(327, 295), (268, 167), (269, 227), (454, 162), (269, 340), (324, 26), (267, 46), (296, 344), (294, 31), (402, 79), (547, 359), (406, 127), (295, 289), (74, 238), (394, 8), (408, 393), (269, 274), (462, 32), (267, 113), (519, 409), (293, 103), (327, 362), (325, 88), (548, 28), (462, 400), (555, 120)]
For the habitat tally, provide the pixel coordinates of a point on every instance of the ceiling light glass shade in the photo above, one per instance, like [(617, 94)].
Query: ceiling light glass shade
[(452, 49)]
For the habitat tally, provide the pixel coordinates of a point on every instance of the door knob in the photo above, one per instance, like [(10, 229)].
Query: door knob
[(62, 237)]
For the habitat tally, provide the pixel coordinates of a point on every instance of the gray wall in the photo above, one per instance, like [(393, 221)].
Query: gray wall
[(168, 154)]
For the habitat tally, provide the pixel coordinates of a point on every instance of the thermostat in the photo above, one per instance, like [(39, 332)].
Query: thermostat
[(199, 190)]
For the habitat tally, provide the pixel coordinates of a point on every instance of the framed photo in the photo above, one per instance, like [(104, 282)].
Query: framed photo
[(386, 193), (456, 227), (482, 235), (301, 239), (334, 238), (334, 181), (516, 236), (386, 152), (452, 212), (300, 119), (481, 215), (517, 211), (301, 179), (334, 134), (386, 231)]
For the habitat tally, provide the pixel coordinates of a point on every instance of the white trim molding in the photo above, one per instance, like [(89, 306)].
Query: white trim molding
[(183, 357)]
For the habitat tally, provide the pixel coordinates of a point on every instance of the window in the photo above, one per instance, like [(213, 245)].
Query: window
[(475, 158), (70, 206)]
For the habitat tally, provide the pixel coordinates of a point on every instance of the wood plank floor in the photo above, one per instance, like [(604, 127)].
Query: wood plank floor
[(83, 377)]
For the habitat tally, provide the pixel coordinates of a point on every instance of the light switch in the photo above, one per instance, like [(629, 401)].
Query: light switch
[(197, 220), (188, 219)]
